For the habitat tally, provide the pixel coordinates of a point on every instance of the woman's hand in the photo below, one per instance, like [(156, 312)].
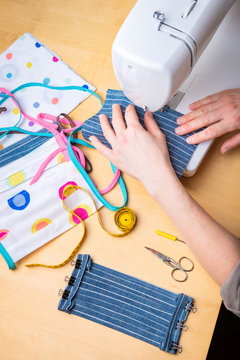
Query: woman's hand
[(219, 113), (139, 153)]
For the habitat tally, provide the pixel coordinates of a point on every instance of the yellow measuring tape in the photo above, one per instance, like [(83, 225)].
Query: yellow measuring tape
[(124, 218)]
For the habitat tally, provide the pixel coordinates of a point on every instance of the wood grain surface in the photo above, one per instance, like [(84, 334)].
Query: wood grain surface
[(31, 327)]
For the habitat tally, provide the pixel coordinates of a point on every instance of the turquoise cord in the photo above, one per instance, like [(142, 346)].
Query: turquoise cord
[(31, 84), (89, 181), (70, 140), (7, 257), (20, 117)]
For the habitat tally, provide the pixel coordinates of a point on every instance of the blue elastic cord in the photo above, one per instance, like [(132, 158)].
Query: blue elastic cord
[(30, 84), (7, 257), (72, 140), (79, 166), (20, 112), (88, 179)]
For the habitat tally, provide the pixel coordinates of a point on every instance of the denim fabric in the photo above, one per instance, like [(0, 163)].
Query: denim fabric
[(179, 150), (126, 304), (21, 148)]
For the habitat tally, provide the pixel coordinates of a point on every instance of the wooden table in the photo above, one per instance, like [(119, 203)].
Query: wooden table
[(31, 327)]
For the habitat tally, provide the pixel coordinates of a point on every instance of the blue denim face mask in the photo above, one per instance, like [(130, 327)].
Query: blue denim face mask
[(180, 151), (21, 148), (126, 304)]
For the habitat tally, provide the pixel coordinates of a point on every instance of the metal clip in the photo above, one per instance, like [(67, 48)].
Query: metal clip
[(181, 326), (60, 292), (176, 347), (190, 307)]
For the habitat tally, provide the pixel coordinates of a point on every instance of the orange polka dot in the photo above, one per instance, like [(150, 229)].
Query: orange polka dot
[(55, 100), (9, 56)]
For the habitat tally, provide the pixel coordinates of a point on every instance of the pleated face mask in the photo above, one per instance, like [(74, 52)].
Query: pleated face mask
[(126, 304), (32, 215)]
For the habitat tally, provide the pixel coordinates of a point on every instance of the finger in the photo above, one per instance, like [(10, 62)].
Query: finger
[(211, 132), (231, 143), (117, 119), (151, 124), (197, 113), (104, 150), (201, 121), (207, 100), (131, 117), (108, 131)]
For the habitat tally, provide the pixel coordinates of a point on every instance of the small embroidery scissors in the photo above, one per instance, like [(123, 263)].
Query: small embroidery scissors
[(175, 265)]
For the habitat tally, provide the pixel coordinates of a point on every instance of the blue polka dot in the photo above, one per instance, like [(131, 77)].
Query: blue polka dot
[(46, 81), (38, 45), (19, 201), (36, 104), (85, 86), (9, 75)]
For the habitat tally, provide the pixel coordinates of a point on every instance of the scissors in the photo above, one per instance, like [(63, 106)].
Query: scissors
[(175, 265)]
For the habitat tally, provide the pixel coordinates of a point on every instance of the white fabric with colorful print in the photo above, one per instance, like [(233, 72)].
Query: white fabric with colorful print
[(28, 60), (32, 215)]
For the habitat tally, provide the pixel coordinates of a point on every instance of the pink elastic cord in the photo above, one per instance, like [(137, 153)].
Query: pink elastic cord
[(61, 140), (112, 183), (13, 98)]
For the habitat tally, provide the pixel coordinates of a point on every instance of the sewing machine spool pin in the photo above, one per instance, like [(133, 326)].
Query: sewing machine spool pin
[(159, 16)]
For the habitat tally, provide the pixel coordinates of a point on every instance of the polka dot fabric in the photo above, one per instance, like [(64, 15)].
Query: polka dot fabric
[(32, 215), (29, 60)]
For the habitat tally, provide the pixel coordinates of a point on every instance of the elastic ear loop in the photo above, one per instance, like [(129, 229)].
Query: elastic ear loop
[(80, 142), (70, 151), (16, 103), (124, 218), (89, 180), (31, 84)]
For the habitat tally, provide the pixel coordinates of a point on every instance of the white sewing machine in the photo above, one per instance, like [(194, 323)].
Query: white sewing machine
[(158, 45)]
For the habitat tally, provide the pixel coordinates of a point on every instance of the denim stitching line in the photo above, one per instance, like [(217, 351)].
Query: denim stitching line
[(117, 306), (130, 304), (125, 322), (137, 281), (107, 322), (172, 323), (128, 288), (76, 286)]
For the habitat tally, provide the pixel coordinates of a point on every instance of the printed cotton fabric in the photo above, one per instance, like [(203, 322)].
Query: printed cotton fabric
[(29, 60), (32, 215), (126, 304), (179, 150)]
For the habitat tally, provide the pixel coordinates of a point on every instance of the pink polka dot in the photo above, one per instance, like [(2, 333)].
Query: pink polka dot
[(9, 56), (55, 101), (55, 59)]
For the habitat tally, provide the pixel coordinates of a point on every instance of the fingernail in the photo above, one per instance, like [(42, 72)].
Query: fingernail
[(189, 140), (226, 149), (149, 113), (101, 116), (180, 121), (179, 130), (90, 138)]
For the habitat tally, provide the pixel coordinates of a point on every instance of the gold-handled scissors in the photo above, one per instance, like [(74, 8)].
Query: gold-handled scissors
[(175, 265)]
